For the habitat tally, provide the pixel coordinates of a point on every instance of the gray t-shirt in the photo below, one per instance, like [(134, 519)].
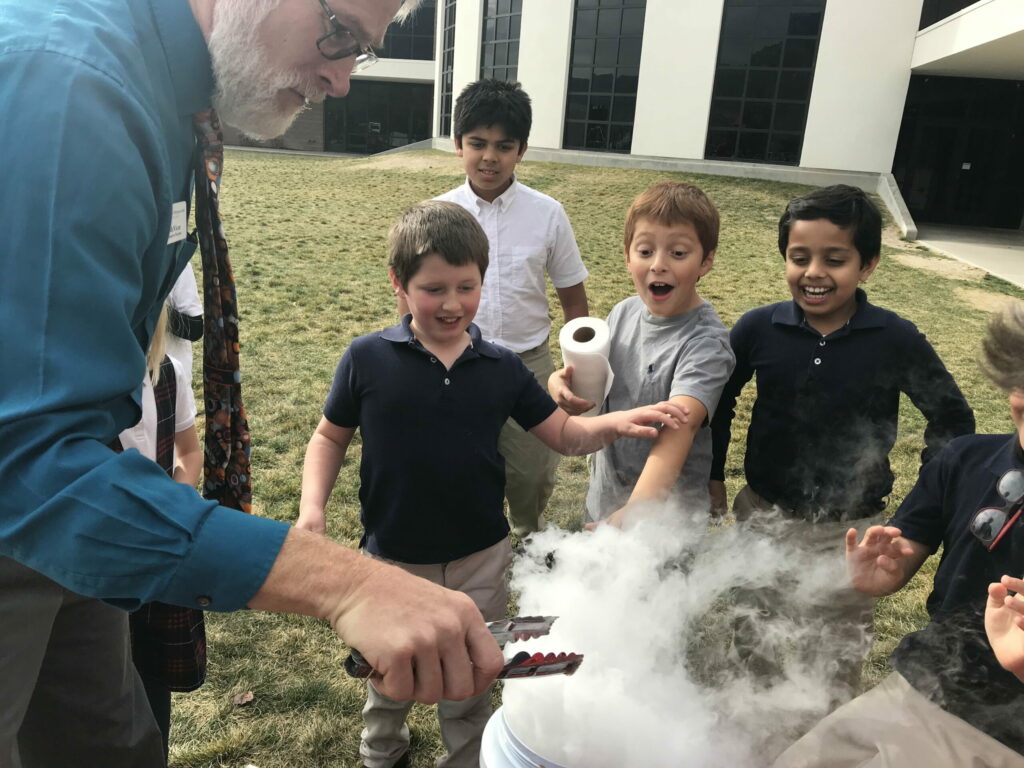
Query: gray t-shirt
[(654, 359)]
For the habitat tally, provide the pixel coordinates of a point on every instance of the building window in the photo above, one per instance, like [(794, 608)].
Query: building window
[(447, 67), (766, 56), (937, 10), (413, 38), (607, 37), (499, 43), (376, 116)]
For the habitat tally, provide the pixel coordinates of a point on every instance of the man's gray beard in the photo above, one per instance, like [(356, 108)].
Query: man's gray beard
[(247, 89)]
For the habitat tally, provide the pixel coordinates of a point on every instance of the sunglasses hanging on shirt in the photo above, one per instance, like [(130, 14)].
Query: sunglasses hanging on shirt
[(990, 524)]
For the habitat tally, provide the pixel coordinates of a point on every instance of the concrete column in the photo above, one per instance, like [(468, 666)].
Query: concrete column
[(469, 19), (544, 49)]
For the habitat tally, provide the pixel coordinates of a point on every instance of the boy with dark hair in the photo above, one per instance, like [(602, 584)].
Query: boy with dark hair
[(667, 343), (430, 397), (530, 236), (949, 703), (830, 369)]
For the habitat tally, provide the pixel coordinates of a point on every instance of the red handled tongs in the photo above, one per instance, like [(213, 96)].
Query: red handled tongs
[(523, 664)]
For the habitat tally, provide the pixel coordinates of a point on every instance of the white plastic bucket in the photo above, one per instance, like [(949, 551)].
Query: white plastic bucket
[(500, 748)]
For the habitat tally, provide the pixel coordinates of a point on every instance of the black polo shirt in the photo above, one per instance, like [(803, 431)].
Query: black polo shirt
[(827, 407), (950, 661), (431, 479)]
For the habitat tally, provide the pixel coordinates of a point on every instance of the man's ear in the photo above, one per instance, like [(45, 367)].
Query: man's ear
[(399, 291), (867, 269), (522, 150)]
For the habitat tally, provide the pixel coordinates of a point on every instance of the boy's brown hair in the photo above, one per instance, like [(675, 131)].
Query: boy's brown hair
[(435, 226), (1002, 350), (675, 202)]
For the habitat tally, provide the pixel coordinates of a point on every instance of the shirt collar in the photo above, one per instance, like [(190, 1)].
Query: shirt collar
[(1006, 458), (865, 316), (502, 201), (188, 58), (402, 334)]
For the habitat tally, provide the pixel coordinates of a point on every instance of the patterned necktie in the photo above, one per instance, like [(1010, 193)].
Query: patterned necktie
[(226, 455)]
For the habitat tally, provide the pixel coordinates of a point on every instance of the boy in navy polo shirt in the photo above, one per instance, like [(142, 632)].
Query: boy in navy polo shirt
[(430, 397), (830, 369), (949, 703)]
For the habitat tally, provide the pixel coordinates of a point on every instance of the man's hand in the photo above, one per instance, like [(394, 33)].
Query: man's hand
[(560, 389), (719, 498), (638, 422), (1004, 624), (880, 564)]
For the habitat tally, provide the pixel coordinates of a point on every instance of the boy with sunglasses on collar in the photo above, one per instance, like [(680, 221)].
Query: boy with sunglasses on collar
[(952, 700)]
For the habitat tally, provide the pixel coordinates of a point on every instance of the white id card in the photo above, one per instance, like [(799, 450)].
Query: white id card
[(179, 222)]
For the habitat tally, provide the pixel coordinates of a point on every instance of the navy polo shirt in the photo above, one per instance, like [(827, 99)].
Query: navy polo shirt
[(432, 482), (950, 661), (827, 407)]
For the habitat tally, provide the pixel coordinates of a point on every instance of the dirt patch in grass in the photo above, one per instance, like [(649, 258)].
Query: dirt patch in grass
[(956, 270), (987, 301), (409, 161)]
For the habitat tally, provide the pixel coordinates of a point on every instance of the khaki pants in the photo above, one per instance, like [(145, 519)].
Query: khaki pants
[(70, 695), (386, 736), (846, 618), (529, 464), (894, 726)]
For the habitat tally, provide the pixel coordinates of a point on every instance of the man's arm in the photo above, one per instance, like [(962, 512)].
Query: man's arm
[(884, 561), (1004, 624), (574, 301), (325, 454), (580, 435)]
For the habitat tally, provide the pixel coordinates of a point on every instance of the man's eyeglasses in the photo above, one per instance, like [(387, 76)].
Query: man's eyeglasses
[(990, 524), (340, 43)]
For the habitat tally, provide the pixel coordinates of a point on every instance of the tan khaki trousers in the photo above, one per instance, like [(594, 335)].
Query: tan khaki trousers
[(529, 464), (894, 726), (386, 736)]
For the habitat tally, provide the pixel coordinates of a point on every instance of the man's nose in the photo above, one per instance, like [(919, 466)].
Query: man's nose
[(335, 76)]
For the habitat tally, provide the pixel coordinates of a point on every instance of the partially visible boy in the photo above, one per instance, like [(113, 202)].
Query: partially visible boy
[(529, 235), (430, 397), (830, 369), (667, 343), (949, 703)]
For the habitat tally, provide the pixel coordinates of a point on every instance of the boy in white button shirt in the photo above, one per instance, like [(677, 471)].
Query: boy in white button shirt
[(529, 236)]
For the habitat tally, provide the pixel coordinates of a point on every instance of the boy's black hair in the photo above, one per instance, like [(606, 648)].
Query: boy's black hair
[(493, 102), (845, 206), (435, 226)]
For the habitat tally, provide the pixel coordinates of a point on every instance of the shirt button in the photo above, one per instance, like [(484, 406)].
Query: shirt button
[(817, 361), (433, 359), (203, 601), (821, 343), (447, 381)]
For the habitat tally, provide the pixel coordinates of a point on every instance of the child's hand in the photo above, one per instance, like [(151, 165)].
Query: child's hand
[(560, 389), (312, 520), (638, 422), (874, 564), (1004, 623)]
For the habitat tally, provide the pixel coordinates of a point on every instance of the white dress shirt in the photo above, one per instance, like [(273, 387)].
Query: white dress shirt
[(529, 235)]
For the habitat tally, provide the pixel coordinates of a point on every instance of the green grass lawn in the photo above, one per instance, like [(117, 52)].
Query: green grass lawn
[(307, 242)]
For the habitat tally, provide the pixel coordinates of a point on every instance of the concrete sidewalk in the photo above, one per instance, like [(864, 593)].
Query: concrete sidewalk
[(1000, 252)]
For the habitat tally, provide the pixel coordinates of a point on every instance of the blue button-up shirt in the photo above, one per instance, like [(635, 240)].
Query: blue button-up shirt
[(96, 144)]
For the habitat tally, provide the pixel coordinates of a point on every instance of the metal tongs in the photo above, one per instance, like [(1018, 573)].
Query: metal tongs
[(523, 664)]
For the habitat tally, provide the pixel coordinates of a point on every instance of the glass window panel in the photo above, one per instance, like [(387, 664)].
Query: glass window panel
[(513, 53), (597, 137), (609, 22), (574, 135), (725, 113), (600, 108), (629, 50), (504, 6), (730, 82), (721, 144), (804, 24), (576, 107), (752, 146), (734, 52), (765, 53), (784, 148), (757, 114), (761, 83), (772, 22), (602, 81), (739, 22), (794, 85), (500, 54), (633, 21), (623, 109), (627, 80), (620, 137), (580, 80), (517, 6), (799, 53), (586, 3), (423, 48), (790, 117), (490, 30), (489, 55), (513, 31), (586, 23), (606, 53), (583, 53), (502, 29)]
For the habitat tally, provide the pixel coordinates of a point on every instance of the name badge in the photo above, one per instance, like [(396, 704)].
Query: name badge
[(179, 222)]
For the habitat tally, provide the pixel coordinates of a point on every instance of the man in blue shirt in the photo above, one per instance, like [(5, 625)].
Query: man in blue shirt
[(97, 141)]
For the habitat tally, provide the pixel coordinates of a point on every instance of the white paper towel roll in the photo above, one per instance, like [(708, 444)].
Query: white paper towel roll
[(585, 342)]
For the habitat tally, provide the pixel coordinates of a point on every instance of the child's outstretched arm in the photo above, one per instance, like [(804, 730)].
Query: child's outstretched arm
[(188, 456), (580, 435), (1004, 624), (324, 456), (884, 561)]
